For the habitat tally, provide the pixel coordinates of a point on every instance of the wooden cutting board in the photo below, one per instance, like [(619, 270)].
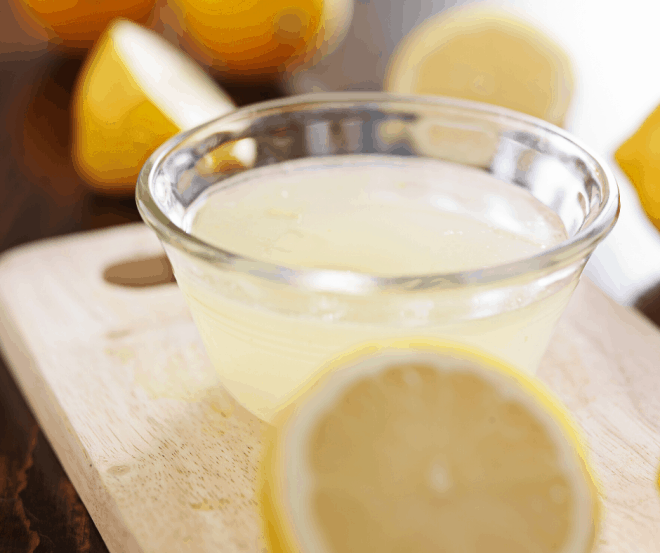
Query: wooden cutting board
[(113, 368)]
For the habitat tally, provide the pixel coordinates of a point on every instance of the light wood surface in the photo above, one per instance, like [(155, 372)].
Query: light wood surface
[(165, 461)]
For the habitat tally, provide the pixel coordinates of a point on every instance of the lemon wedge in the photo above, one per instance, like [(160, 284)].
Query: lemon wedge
[(135, 91), (639, 158), (423, 447), (486, 56)]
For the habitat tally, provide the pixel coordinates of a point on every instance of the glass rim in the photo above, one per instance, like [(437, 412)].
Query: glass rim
[(568, 251)]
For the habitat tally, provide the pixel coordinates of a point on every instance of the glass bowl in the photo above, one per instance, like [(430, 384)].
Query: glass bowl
[(269, 327)]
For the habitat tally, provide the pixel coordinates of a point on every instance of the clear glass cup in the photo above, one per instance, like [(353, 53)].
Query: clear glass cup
[(269, 328)]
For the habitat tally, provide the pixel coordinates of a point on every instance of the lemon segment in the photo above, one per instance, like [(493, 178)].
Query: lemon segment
[(639, 158), (135, 91), (423, 447), (486, 56)]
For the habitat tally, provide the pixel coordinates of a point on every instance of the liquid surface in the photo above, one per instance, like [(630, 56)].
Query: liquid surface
[(395, 216)]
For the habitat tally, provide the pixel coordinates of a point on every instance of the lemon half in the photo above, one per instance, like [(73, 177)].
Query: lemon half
[(639, 158), (135, 91), (486, 56), (426, 448)]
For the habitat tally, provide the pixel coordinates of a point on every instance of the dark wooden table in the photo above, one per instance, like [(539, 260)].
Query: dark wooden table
[(41, 196)]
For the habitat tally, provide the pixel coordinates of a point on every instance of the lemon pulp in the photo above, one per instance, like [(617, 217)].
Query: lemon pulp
[(423, 451), (486, 56)]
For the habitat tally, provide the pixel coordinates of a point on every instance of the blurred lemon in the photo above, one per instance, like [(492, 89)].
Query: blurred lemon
[(423, 447), (252, 38), (335, 22), (484, 56), (78, 23), (134, 92), (639, 157)]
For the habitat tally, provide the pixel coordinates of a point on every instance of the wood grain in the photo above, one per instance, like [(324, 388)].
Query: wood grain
[(164, 460)]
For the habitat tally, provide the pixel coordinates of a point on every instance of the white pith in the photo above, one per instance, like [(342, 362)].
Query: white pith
[(174, 82)]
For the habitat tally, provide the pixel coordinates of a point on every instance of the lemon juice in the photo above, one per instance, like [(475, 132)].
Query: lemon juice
[(384, 216)]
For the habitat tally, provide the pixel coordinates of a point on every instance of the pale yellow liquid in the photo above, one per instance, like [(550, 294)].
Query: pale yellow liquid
[(378, 215)]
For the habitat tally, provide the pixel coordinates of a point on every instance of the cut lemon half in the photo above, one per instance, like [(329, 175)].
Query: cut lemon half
[(426, 448), (486, 56), (135, 91), (639, 157)]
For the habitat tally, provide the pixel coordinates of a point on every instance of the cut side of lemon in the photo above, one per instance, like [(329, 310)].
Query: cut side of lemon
[(135, 91), (426, 448), (486, 56), (639, 158)]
